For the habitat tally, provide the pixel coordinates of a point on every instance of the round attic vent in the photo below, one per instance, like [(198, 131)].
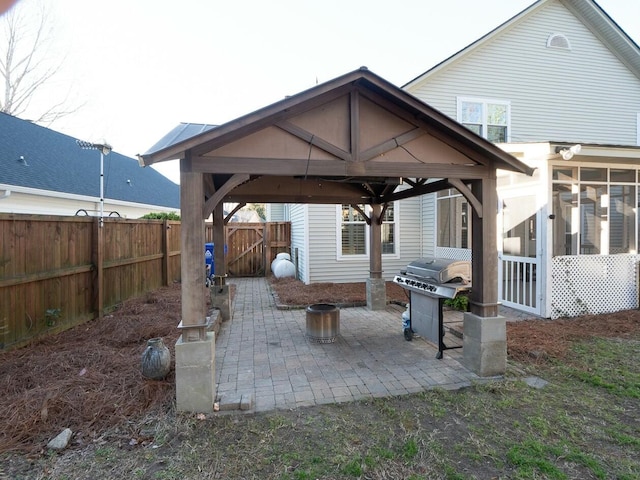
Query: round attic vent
[(558, 40)]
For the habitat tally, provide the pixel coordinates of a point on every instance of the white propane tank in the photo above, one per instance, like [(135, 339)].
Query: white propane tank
[(280, 256), (284, 268)]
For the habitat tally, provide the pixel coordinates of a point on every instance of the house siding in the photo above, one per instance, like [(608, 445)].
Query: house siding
[(428, 204), (325, 263), (590, 95), (275, 212), (300, 239), (55, 203), (322, 247)]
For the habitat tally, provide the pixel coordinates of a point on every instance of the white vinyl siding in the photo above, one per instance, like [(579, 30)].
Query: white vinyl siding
[(275, 212), (32, 201), (300, 239), (585, 94), (322, 255), (428, 203)]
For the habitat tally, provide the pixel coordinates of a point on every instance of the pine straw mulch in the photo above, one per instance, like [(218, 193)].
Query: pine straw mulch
[(88, 378), (539, 340), (292, 292)]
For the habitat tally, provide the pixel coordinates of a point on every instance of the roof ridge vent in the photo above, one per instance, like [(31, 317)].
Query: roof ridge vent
[(558, 40)]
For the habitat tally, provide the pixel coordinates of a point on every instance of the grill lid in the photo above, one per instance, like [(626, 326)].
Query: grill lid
[(441, 270)]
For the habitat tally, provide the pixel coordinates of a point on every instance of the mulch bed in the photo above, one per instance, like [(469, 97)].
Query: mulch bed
[(290, 291), (89, 378), (540, 340)]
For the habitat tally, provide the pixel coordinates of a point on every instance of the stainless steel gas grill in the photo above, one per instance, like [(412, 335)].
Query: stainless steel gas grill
[(430, 281)]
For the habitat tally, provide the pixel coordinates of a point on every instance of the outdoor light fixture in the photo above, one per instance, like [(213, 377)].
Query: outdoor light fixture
[(104, 149), (568, 153)]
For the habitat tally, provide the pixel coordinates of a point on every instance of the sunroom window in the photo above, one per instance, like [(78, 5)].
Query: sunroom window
[(595, 211)]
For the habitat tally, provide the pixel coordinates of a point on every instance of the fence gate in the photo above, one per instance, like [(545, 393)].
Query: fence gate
[(250, 247), (245, 249)]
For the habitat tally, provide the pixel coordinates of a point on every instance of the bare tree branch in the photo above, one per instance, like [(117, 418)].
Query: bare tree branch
[(25, 66)]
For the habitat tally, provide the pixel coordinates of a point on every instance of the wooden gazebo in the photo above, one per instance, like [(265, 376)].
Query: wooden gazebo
[(352, 140)]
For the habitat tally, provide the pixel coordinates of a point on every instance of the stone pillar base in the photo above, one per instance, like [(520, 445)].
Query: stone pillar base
[(196, 375), (376, 294), (221, 300), (485, 345)]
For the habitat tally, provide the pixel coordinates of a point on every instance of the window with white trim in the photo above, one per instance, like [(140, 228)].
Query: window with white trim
[(353, 230), (388, 230), (488, 118)]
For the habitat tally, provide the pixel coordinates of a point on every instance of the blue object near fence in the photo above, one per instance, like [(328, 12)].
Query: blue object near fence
[(208, 257)]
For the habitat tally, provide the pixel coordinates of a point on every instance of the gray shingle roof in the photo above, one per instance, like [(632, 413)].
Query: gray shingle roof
[(54, 161)]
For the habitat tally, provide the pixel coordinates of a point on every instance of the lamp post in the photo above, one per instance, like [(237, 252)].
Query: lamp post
[(104, 149)]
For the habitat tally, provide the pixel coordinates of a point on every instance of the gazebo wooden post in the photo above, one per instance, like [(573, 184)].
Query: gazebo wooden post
[(220, 295), (195, 349), (485, 335), (376, 285)]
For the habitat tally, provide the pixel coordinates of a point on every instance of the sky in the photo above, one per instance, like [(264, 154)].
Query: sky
[(134, 69)]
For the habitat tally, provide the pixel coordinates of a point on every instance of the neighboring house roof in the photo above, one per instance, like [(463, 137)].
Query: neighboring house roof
[(36, 157), (587, 11)]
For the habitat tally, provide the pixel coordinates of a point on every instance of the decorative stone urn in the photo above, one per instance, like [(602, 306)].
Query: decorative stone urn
[(156, 359)]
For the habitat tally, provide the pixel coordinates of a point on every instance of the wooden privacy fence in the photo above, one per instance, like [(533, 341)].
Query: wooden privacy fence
[(58, 272), (252, 246)]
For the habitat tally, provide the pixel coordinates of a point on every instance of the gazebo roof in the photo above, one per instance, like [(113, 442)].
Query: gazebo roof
[(353, 139)]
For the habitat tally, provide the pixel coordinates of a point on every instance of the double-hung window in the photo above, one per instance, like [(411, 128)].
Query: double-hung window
[(488, 118), (354, 232)]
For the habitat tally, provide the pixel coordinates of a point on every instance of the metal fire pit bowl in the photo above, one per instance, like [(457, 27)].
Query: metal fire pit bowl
[(323, 322)]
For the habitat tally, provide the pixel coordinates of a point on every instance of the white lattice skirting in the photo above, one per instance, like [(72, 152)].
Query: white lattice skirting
[(454, 253), (593, 284)]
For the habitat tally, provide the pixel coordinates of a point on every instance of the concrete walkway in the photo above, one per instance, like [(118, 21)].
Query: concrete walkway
[(262, 354)]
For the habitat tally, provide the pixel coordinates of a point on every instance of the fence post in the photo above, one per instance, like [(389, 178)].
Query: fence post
[(97, 258), (267, 247), (165, 252)]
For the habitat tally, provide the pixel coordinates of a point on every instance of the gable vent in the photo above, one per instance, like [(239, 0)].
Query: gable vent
[(558, 40)]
